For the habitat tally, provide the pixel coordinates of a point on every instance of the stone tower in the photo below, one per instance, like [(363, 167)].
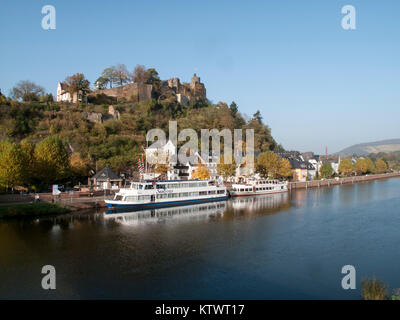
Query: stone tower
[(197, 89)]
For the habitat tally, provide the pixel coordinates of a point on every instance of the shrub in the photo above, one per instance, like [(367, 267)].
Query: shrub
[(373, 289)]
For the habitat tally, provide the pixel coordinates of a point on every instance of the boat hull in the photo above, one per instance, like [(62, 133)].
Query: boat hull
[(112, 204)]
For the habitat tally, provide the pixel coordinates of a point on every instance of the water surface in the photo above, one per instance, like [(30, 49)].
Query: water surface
[(283, 246)]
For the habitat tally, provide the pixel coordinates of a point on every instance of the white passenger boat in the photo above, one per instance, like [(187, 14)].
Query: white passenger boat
[(257, 187), (150, 194)]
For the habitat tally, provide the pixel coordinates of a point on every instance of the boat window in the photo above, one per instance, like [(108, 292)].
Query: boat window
[(202, 193), (211, 192), (117, 197)]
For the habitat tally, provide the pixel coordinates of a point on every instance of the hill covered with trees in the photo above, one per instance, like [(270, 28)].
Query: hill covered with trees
[(56, 143)]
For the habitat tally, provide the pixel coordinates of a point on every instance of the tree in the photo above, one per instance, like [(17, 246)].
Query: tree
[(77, 84), (27, 91), (234, 109), (12, 165), (285, 169), (140, 74), (201, 173), (326, 170), (224, 168), (121, 75), (346, 167), (152, 77), (51, 160), (361, 166), (268, 164), (370, 165), (79, 166), (381, 166), (101, 83), (107, 76), (28, 150), (257, 116)]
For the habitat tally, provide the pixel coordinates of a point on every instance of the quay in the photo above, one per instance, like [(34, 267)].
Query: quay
[(340, 181), (84, 200)]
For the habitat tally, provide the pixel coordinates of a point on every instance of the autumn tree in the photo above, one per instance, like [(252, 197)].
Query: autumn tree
[(370, 165), (51, 160), (285, 169), (121, 75), (79, 166), (12, 165), (268, 164), (361, 166), (326, 170), (381, 166), (77, 84), (346, 167), (201, 173), (27, 91), (140, 74), (224, 168)]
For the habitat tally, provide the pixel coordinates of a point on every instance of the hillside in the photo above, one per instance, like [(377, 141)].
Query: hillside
[(96, 135), (362, 149)]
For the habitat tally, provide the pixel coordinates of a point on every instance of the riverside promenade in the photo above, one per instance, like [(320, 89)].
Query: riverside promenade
[(83, 200), (339, 181)]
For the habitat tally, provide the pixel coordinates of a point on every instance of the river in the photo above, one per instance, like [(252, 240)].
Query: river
[(283, 246)]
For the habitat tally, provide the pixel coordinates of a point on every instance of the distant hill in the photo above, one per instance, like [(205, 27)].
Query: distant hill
[(361, 149)]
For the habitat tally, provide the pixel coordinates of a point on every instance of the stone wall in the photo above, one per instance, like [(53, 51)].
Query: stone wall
[(132, 92)]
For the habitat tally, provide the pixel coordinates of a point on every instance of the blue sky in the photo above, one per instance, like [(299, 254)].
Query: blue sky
[(315, 83)]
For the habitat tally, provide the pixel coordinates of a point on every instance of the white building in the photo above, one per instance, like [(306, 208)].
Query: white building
[(64, 96)]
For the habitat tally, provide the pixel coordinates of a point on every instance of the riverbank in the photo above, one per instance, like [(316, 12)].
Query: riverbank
[(31, 210), (339, 181)]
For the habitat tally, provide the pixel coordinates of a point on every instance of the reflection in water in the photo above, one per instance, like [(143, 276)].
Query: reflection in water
[(279, 246), (174, 214), (226, 210)]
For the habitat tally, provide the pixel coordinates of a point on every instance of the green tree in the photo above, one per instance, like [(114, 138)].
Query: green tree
[(257, 116), (234, 109), (101, 83), (326, 170), (268, 164), (381, 166), (346, 167), (12, 165), (51, 160), (224, 168)]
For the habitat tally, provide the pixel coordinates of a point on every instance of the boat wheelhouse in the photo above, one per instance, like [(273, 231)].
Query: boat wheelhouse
[(258, 187), (167, 193)]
